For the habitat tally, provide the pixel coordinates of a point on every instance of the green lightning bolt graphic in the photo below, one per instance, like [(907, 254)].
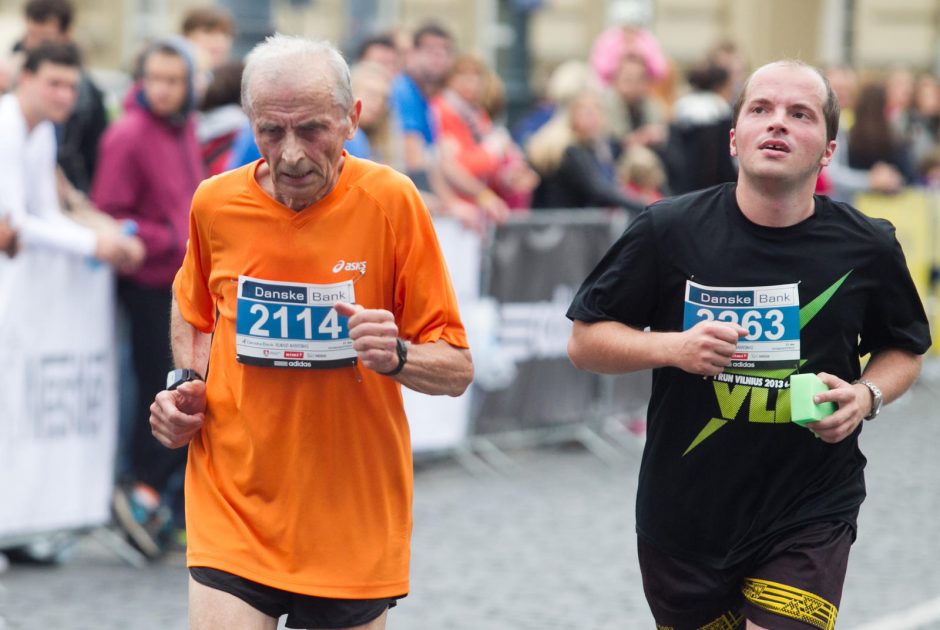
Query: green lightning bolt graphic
[(807, 313)]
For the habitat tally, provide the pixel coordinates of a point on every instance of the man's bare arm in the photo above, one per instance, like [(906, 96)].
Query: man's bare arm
[(609, 347), (892, 371), (190, 345), (437, 368), (176, 416)]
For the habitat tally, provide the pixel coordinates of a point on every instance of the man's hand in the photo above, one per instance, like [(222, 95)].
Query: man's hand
[(8, 244), (374, 335), (493, 206), (467, 213), (176, 416), (115, 249), (853, 401), (706, 348), (109, 247), (132, 254)]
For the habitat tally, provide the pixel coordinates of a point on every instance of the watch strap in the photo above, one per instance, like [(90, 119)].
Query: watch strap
[(402, 350), (877, 398), (177, 377)]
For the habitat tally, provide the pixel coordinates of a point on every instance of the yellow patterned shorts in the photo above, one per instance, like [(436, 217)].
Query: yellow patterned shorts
[(795, 584)]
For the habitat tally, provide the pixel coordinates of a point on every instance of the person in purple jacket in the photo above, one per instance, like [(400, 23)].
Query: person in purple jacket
[(148, 169)]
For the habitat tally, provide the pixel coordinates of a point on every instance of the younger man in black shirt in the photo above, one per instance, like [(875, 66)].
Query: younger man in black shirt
[(741, 514)]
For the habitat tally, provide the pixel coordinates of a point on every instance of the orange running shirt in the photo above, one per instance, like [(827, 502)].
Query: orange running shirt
[(301, 479)]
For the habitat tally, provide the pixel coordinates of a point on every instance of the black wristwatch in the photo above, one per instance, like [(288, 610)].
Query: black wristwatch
[(402, 349), (175, 378)]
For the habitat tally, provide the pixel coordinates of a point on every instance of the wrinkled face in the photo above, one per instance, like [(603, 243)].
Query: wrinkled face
[(166, 83), (40, 32), (50, 92), (300, 131), (781, 130)]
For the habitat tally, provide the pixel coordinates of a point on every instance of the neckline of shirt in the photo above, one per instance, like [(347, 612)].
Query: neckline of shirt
[(805, 226)]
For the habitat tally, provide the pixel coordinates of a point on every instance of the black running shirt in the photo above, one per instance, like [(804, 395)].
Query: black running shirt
[(724, 469)]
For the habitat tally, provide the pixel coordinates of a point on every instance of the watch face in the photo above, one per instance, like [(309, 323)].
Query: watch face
[(173, 379), (179, 376)]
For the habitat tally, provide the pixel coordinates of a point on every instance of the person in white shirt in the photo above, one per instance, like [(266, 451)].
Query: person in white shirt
[(29, 206)]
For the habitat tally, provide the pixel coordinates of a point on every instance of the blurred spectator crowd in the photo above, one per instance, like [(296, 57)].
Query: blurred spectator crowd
[(622, 128)]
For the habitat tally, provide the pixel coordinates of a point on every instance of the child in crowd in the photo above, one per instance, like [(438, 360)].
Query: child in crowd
[(641, 174)]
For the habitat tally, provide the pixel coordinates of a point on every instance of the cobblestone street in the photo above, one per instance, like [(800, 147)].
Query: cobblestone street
[(549, 545)]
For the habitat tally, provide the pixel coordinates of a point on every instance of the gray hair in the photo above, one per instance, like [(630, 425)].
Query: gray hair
[(280, 55)]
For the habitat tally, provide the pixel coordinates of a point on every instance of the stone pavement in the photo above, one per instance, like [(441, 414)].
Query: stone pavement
[(549, 545)]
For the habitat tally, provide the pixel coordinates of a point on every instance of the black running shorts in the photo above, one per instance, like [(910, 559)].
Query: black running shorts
[(303, 611), (794, 585)]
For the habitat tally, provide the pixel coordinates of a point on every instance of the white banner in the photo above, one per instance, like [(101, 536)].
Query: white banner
[(58, 407)]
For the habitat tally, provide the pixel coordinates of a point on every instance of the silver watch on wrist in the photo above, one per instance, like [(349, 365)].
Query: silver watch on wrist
[(876, 398)]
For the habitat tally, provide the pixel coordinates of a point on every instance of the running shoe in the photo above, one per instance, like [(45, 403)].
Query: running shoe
[(139, 514)]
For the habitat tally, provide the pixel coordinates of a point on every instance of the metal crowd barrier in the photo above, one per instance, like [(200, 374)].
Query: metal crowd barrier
[(527, 392)]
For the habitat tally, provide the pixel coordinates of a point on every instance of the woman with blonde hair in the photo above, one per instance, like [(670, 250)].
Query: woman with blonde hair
[(576, 159)]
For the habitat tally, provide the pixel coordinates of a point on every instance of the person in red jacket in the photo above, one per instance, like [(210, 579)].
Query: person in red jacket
[(494, 163), (149, 168)]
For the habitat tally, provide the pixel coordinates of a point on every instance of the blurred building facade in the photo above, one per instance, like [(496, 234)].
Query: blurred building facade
[(867, 33)]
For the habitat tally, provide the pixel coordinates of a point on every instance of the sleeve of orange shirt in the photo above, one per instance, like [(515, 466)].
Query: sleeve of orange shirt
[(191, 286), (425, 303)]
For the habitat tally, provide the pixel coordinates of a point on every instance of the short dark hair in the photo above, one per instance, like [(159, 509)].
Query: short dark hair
[(63, 54), (225, 87), (382, 40), (830, 105), (209, 19), (707, 76), (43, 10), (431, 29)]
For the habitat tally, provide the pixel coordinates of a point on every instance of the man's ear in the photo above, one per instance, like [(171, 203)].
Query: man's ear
[(353, 114), (732, 147), (827, 154)]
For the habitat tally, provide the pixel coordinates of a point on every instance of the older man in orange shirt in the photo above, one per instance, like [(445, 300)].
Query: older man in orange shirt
[(314, 287)]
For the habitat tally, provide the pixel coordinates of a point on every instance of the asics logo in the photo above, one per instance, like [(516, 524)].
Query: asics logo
[(342, 265)]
